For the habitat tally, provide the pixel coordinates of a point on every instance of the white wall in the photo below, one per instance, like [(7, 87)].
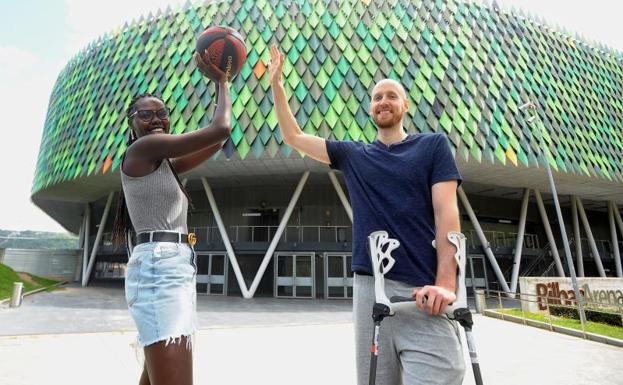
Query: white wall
[(55, 264)]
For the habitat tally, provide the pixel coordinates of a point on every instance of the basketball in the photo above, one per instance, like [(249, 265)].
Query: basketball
[(224, 47)]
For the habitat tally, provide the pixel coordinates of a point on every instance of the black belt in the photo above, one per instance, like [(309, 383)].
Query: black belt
[(166, 236)]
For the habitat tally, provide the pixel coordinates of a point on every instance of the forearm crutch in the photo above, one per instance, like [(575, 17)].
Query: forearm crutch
[(380, 249)]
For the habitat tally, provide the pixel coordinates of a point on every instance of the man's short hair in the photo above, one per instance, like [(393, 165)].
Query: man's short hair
[(401, 89)]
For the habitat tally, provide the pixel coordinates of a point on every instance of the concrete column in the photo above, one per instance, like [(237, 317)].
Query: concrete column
[(341, 195), (81, 234), (591, 240), (85, 246), (615, 241), (78, 269), (520, 235), (617, 217), (273, 244), (483, 240), (576, 235), (98, 239), (481, 300), (548, 232), (223, 231)]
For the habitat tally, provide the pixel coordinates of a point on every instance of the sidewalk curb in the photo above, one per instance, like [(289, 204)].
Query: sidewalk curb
[(2, 302), (554, 328)]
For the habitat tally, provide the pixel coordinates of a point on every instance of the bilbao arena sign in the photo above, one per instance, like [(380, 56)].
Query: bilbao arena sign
[(537, 292)]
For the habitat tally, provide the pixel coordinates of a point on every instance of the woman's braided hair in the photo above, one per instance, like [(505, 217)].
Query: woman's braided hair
[(123, 225)]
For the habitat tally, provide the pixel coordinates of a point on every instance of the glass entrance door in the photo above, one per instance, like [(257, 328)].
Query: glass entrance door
[(476, 274), (212, 273), (338, 277), (294, 275)]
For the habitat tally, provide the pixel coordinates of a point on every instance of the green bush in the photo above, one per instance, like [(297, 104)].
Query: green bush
[(591, 315), (563, 311), (8, 277)]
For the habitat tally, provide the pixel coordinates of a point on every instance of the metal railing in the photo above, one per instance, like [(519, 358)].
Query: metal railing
[(498, 239), (339, 234), (545, 303), (206, 234), (239, 233), (604, 247), (530, 241), (211, 234), (539, 261)]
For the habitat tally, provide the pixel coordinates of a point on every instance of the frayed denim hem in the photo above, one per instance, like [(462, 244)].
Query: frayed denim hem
[(175, 340)]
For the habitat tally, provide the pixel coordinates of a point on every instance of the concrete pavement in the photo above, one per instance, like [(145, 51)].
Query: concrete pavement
[(261, 341)]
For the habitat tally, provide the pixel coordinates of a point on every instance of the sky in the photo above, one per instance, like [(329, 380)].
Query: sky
[(39, 37)]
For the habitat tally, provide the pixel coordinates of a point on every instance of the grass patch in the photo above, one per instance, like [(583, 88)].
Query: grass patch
[(591, 327), (31, 282)]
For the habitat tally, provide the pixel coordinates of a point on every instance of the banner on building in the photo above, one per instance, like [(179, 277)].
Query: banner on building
[(538, 292)]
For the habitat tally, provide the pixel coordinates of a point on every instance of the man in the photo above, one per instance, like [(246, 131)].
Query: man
[(405, 185)]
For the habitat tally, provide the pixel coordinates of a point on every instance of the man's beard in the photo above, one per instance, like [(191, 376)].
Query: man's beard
[(388, 123)]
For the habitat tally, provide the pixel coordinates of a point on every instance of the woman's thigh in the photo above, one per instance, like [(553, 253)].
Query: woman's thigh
[(169, 364)]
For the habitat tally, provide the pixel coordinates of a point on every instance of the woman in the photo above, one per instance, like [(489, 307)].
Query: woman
[(160, 279)]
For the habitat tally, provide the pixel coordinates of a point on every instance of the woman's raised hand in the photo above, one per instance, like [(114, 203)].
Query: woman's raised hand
[(276, 64), (210, 70)]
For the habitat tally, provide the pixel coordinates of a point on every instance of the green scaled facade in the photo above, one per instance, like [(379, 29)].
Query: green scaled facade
[(466, 68)]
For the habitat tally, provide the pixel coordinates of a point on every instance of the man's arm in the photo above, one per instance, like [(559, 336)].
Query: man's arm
[(446, 213), (293, 136), (446, 220)]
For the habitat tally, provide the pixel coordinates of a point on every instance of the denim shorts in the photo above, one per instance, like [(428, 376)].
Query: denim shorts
[(161, 293)]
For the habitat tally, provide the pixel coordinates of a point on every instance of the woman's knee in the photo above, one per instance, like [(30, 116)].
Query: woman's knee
[(169, 362)]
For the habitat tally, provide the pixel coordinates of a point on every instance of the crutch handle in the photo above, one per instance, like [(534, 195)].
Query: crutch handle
[(399, 298)]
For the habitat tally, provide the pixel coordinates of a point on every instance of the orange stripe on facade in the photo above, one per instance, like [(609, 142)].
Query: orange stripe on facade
[(259, 69), (107, 164)]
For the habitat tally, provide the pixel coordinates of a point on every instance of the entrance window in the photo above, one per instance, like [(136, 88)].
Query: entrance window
[(338, 275), (294, 275), (212, 273)]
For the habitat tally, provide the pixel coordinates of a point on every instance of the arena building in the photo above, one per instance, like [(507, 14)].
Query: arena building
[(272, 222)]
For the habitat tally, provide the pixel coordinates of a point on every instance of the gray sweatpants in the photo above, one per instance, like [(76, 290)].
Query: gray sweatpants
[(415, 348)]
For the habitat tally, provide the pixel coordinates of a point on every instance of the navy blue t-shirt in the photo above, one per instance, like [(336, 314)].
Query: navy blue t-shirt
[(390, 190)]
